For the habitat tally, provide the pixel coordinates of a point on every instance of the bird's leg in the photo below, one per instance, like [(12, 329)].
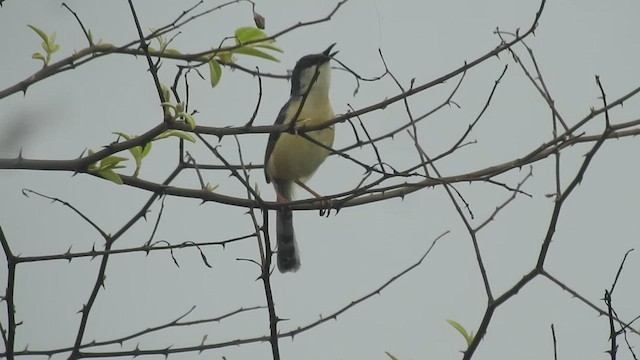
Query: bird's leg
[(325, 204), (304, 186), (279, 197), (299, 124)]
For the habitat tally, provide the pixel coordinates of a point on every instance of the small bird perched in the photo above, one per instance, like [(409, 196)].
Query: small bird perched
[(290, 158)]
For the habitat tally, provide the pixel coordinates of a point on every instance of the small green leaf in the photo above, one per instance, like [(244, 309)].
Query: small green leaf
[(146, 148), (177, 133), (111, 162), (167, 104), (91, 166), (137, 157), (166, 93), (255, 52), (391, 356), (124, 135), (246, 34), (468, 337), (52, 39), (40, 33), (110, 175), (215, 72), (173, 52), (185, 136), (226, 57), (136, 151), (210, 188), (191, 121), (180, 107), (268, 45), (37, 56)]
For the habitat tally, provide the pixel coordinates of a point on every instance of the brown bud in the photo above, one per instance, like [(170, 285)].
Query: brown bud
[(259, 20)]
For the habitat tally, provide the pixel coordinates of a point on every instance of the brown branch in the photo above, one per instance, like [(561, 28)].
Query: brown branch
[(538, 154), (121, 340), (584, 300), (9, 298), (539, 268)]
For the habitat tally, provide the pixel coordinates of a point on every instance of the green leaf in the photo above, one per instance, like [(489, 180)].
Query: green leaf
[(111, 162), (246, 50), (52, 39), (110, 175), (124, 135), (167, 104), (468, 337), (40, 33), (215, 72), (268, 45), (166, 93), (37, 56), (191, 121), (146, 148), (180, 107), (226, 57), (210, 188), (246, 34), (177, 133), (391, 356), (91, 166), (136, 151), (137, 157), (173, 52)]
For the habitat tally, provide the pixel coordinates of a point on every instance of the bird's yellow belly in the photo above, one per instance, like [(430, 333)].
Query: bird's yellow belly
[(295, 158)]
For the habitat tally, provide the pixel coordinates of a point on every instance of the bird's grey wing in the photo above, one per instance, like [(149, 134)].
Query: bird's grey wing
[(273, 137)]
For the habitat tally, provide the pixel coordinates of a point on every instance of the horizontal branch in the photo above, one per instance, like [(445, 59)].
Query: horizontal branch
[(402, 190), (147, 248)]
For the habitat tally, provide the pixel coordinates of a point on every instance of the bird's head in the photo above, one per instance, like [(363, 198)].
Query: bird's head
[(305, 73)]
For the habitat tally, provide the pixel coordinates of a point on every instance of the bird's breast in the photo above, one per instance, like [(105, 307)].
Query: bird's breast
[(295, 158)]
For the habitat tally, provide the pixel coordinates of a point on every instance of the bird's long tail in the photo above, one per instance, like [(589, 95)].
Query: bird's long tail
[(288, 256)]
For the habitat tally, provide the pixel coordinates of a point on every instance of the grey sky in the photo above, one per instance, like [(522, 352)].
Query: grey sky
[(346, 256)]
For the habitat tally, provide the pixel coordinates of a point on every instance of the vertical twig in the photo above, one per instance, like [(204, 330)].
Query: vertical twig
[(555, 343), (8, 296)]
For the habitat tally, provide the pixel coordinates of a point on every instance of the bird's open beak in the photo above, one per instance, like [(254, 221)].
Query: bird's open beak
[(328, 51)]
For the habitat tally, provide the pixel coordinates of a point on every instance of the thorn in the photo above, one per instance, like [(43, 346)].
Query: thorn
[(68, 254), (93, 251)]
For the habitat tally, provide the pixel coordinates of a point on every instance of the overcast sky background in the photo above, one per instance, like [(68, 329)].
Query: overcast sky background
[(349, 255)]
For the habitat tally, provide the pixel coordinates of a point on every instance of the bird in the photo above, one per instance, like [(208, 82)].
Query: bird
[(290, 158)]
